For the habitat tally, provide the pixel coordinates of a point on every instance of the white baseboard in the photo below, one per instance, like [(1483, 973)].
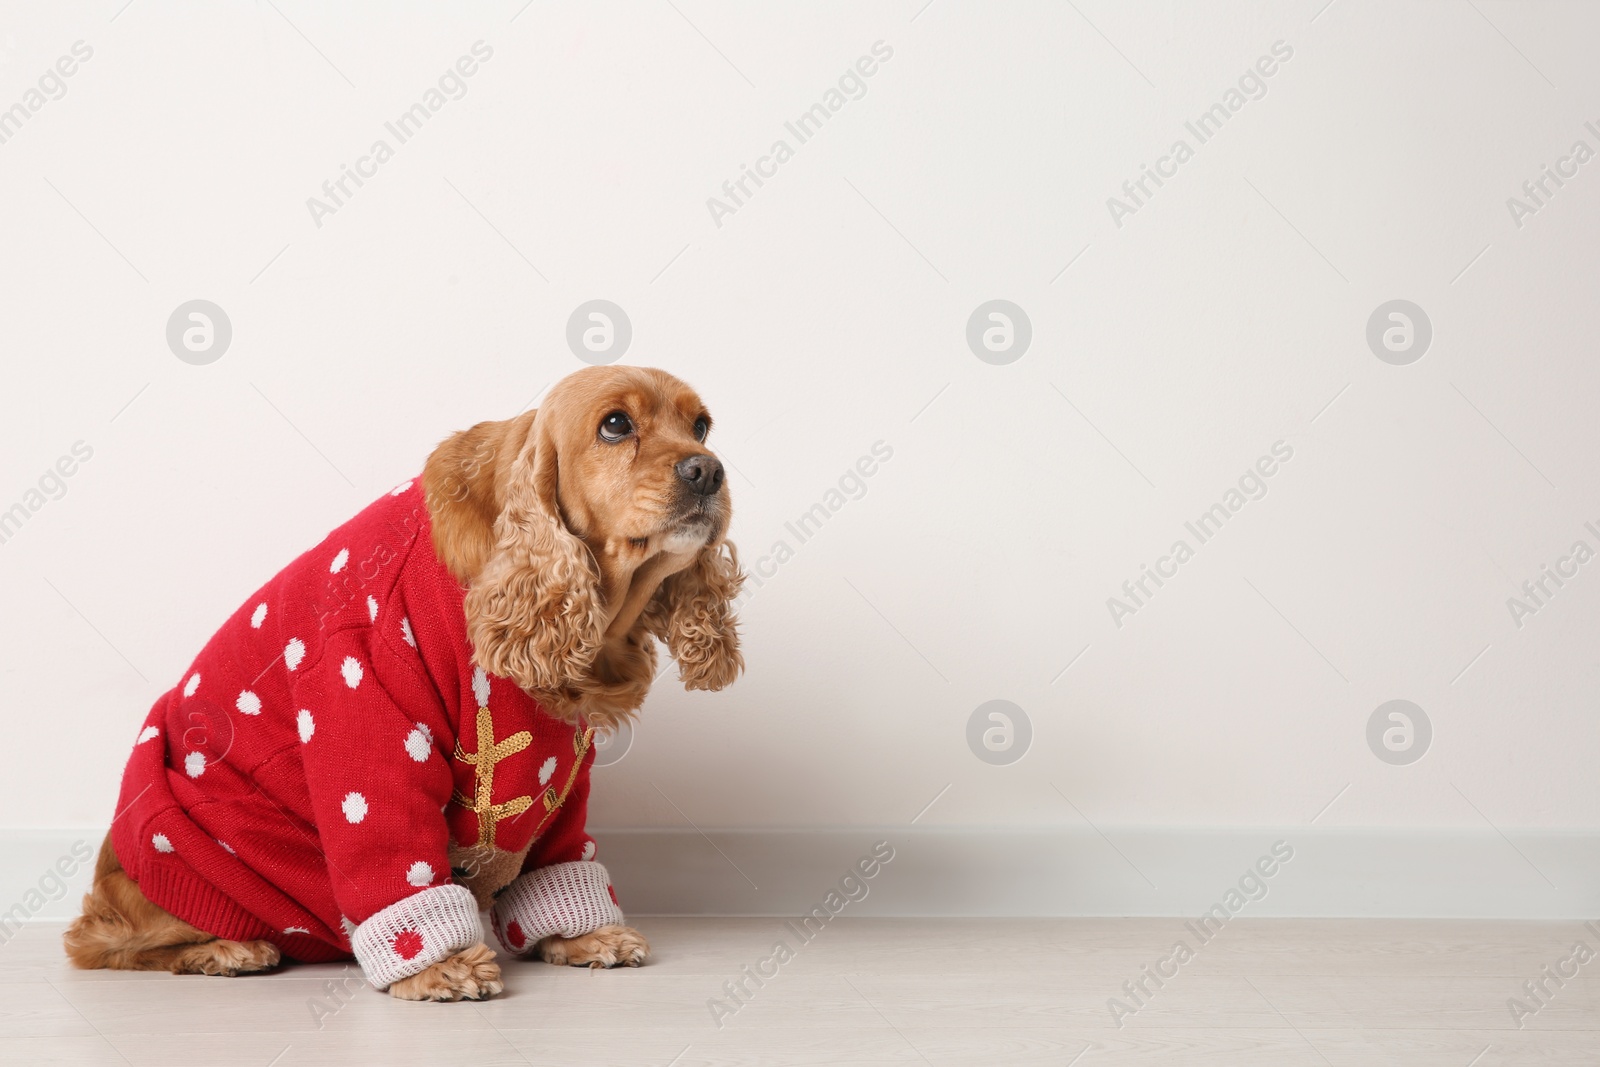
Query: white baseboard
[(1008, 872), (1356, 873), (32, 863)]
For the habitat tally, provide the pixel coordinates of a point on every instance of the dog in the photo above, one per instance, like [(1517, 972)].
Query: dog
[(396, 732)]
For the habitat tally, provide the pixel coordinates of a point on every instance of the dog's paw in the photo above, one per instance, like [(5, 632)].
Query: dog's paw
[(609, 946), (227, 958), (470, 974)]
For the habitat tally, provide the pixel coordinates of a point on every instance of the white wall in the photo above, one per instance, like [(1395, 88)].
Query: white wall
[(829, 312)]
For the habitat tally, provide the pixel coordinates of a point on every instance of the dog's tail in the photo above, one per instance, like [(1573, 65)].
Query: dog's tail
[(95, 938), (119, 927)]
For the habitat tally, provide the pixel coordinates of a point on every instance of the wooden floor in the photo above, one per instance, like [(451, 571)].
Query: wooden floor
[(867, 991)]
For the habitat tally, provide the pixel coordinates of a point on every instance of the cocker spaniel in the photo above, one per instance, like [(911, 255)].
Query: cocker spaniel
[(395, 732)]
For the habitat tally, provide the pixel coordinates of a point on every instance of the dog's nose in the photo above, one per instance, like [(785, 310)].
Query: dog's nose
[(702, 474)]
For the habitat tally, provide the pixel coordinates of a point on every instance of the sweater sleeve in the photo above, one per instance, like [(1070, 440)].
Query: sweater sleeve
[(567, 837), (379, 782), (562, 890)]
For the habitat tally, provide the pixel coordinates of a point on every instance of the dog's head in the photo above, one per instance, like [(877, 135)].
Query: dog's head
[(578, 526)]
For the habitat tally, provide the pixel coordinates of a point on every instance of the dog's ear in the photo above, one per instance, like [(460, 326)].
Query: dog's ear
[(692, 612), (533, 609), (459, 487)]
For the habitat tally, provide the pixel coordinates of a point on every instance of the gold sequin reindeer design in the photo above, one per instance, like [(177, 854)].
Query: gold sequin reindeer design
[(490, 752), (483, 762)]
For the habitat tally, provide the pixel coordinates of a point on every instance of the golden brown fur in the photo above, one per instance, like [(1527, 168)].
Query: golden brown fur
[(608, 946), (121, 930), (574, 550), (470, 974), (571, 548)]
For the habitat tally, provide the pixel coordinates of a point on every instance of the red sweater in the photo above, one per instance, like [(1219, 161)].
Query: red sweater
[(304, 780)]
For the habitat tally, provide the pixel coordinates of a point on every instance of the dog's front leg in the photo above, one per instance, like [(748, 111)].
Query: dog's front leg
[(566, 914), (470, 974), (609, 946)]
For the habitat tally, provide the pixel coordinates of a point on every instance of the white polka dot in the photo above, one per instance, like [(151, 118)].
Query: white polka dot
[(397, 490), (194, 764), (294, 652), (351, 669), (147, 733), (307, 726), (419, 743), (355, 807), (588, 850), (191, 685), (405, 632), (258, 616), (339, 561), (248, 703), (480, 686), (296, 930), (420, 874), (372, 609), (546, 769), (161, 843), (227, 848)]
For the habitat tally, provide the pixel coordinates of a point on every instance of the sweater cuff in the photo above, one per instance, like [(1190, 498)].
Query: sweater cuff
[(413, 934), (569, 899)]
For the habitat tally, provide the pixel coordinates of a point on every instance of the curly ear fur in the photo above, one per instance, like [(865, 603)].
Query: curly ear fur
[(693, 613), (614, 690), (534, 613)]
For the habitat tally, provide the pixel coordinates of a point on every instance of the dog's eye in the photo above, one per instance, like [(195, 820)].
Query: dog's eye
[(615, 426), (701, 428)]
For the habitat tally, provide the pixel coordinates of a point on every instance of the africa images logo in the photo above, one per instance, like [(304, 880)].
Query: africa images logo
[(451, 85), (1252, 85), (51, 85), (851, 85), (1252, 485)]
